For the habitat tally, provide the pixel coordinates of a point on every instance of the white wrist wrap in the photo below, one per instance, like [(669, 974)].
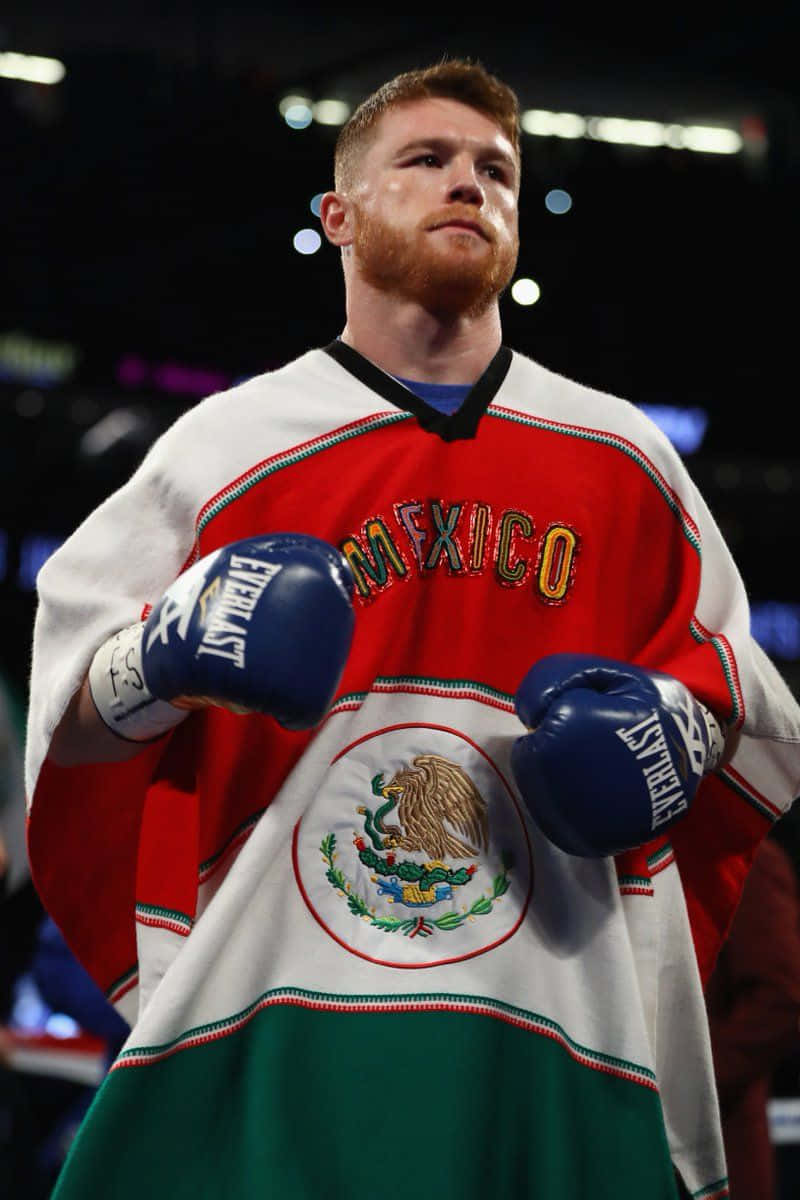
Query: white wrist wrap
[(120, 694), (716, 738)]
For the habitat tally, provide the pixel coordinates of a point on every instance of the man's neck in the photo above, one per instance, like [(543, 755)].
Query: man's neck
[(407, 341)]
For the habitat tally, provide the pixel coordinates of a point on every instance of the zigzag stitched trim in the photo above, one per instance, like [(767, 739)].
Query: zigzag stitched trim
[(688, 526), (713, 1191), (453, 689), (237, 839), (349, 703), (748, 793), (287, 458), (164, 918), (690, 530), (726, 658), (434, 1002), (124, 984), (635, 885), (642, 885), (661, 859)]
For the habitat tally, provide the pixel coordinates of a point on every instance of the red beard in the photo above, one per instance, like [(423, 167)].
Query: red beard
[(444, 277)]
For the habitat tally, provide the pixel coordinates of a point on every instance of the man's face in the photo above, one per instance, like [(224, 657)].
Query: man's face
[(436, 207)]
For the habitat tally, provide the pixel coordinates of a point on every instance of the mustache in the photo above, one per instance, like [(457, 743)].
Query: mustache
[(459, 212)]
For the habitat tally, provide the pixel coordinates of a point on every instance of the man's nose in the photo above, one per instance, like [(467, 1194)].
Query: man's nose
[(464, 185)]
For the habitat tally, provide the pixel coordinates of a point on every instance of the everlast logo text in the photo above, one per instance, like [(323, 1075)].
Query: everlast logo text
[(230, 604), (647, 741)]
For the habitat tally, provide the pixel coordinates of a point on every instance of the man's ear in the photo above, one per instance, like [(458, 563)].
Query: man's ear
[(337, 217)]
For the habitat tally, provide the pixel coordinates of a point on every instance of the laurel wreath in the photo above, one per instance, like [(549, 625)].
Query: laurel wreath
[(412, 926)]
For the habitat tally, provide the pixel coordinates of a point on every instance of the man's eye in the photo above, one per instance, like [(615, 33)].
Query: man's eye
[(428, 160), (495, 172)]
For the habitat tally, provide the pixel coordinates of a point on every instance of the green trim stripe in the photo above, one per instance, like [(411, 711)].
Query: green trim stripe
[(727, 661), (688, 526), (451, 687), (297, 454), (458, 689), (737, 784), (167, 918), (639, 881), (661, 858), (432, 1002), (714, 1191), (122, 985), (208, 867), (347, 702)]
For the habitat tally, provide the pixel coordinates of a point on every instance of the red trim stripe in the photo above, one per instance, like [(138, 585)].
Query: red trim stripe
[(663, 863), (597, 434), (746, 786), (721, 640), (301, 449), (115, 996), (321, 1004)]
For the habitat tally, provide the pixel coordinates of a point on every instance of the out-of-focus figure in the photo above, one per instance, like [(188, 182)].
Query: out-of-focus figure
[(14, 871), (753, 1003)]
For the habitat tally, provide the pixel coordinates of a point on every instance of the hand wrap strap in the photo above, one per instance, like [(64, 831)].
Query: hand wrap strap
[(120, 694), (716, 738)]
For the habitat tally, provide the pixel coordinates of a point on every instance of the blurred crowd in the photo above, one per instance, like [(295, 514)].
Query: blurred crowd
[(58, 1034)]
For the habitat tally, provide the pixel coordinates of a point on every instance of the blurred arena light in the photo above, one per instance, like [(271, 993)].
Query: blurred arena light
[(542, 123), (36, 360), (558, 201), (315, 203), (625, 132), (59, 1025), (685, 427), (296, 111), (330, 112), (134, 371), (34, 551), (307, 241), (525, 291), (31, 68), (776, 627), (708, 139), (119, 427)]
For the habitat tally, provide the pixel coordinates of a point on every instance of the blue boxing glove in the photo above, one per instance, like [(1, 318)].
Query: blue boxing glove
[(261, 625), (615, 753)]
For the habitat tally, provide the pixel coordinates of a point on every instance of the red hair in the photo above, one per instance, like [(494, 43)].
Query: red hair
[(455, 79)]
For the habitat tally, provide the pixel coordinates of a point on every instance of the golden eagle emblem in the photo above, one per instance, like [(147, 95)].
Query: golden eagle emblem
[(440, 811)]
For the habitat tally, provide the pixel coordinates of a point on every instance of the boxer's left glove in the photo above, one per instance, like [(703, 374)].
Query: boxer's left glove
[(615, 753), (261, 625)]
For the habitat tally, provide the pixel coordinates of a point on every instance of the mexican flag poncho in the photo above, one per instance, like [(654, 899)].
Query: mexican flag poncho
[(351, 963)]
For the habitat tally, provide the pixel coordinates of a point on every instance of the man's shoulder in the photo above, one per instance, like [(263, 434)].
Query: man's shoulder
[(312, 391), (548, 396), (290, 393), (308, 399), (274, 382), (549, 388)]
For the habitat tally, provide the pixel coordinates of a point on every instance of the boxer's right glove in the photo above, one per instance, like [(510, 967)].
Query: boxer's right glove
[(615, 753), (262, 625)]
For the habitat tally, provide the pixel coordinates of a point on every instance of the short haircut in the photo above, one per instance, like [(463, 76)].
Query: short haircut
[(453, 79)]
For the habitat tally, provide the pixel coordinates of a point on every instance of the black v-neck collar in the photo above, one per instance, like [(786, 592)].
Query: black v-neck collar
[(450, 427)]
